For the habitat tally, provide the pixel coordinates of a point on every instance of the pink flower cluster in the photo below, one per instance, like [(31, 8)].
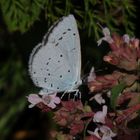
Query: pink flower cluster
[(125, 51), (75, 116)]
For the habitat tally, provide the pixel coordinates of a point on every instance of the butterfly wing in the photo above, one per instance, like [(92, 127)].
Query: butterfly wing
[(55, 64)]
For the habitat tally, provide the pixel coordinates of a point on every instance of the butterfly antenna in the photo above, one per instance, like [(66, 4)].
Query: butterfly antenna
[(100, 25), (84, 78)]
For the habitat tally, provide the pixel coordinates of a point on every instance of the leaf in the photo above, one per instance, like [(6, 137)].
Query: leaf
[(19, 14), (115, 91)]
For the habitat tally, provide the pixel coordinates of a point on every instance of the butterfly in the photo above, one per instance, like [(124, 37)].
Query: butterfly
[(55, 63)]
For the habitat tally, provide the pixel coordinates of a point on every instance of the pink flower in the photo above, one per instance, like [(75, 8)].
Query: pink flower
[(100, 115), (98, 98), (76, 127), (70, 112), (106, 132), (126, 38), (106, 37), (72, 105), (49, 100), (34, 99), (95, 133), (92, 75), (110, 80), (125, 51), (104, 82)]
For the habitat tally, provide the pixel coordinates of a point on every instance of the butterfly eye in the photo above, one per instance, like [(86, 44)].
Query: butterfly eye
[(68, 70), (60, 76)]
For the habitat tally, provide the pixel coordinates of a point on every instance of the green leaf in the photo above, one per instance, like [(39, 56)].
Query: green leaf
[(19, 14), (115, 91)]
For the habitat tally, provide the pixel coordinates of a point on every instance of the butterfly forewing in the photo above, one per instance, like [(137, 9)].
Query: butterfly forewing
[(55, 64)]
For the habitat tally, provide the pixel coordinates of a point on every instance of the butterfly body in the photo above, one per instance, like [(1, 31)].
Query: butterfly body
[(55, 64)]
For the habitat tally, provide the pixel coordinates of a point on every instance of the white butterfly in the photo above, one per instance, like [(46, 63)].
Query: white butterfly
[(55, 64)]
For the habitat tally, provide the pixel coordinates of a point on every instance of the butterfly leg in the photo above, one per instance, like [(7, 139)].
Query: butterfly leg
[(77, 94), (63, 94)]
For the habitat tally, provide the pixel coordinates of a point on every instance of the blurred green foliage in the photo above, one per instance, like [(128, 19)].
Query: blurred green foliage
[(21, 14), (20, 19)]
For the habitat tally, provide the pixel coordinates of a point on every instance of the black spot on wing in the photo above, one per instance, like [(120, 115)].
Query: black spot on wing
[(64, 33), (45, 79), (56, 44), (60, 38)]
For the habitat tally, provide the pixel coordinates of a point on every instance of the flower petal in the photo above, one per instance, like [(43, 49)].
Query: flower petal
[(57, 100), (34, 99), (95, 133), (106, 31), (99, 99), (31, 105), (51, 105), (106, 37), (107, 133), (100, 115), (126, 38), (92, 75)]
